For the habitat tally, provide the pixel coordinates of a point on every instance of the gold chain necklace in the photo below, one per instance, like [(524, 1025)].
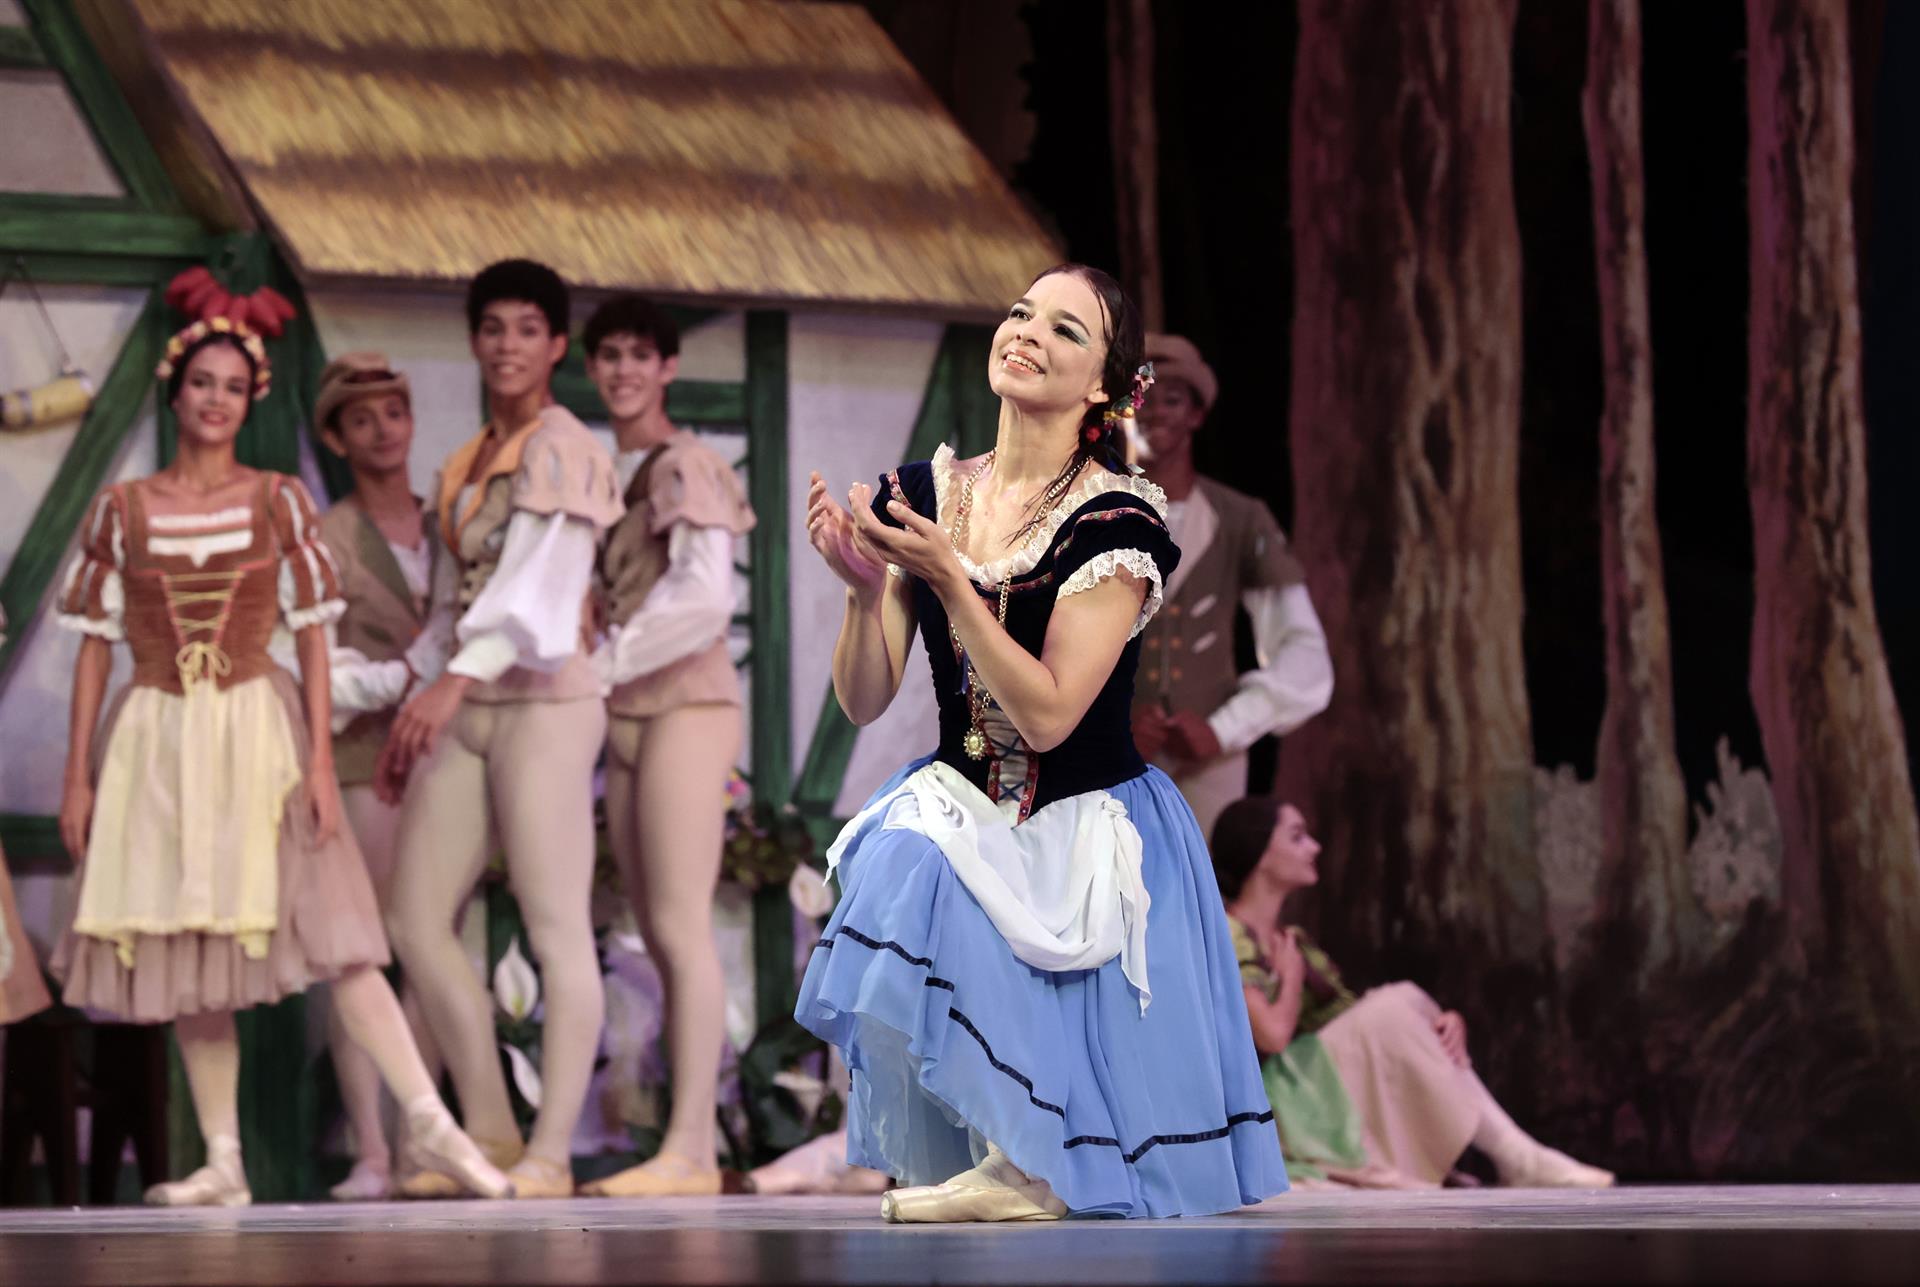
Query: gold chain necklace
[(974, 743)]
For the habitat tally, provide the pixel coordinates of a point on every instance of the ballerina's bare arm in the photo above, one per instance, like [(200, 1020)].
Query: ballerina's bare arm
[(1044, 696), (90, 671), (316, 684), (870, 655)]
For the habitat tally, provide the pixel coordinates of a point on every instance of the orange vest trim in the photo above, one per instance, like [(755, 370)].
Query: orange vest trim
[(453, 477)]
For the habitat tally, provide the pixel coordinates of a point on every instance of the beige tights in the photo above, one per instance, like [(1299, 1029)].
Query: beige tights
[(525, 768), (666, 779), (210, 1050), (374, 824)]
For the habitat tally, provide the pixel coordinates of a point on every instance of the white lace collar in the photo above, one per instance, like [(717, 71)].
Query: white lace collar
[(1093, 482)]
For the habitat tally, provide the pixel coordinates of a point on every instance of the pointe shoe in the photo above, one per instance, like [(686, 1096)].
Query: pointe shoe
[(364, 1183), (537, 1177), (996, 1190), (437, 1144), (1549, 1168), (665, 1175), (951, 1203), (420, 1181), (222, 1182)]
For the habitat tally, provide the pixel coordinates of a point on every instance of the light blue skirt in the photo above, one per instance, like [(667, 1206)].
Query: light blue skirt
[(952, 1040)]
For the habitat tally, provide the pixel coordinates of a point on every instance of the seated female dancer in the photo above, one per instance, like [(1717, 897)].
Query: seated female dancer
[(1375, 1091), (215, 874), (986, 973)]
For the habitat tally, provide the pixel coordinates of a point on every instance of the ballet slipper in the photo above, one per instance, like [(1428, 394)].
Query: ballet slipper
[(537, 1177), (439, 1145), (222, 1182), (858, 1180), (664, 1175), (818, 1166), (364, 1183), (996, 1190), (1549, 1168), (421, 1182)]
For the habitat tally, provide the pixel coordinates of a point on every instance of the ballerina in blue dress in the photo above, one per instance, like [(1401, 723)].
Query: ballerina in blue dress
[(1029, 973)]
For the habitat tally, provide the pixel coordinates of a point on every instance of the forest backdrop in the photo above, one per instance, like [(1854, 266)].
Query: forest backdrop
[(1561, 338)]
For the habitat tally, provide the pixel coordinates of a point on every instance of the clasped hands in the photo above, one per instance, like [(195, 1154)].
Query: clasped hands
[(857, 546)]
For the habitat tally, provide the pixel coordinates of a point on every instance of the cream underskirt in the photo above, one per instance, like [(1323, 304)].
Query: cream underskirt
[(186, 819)]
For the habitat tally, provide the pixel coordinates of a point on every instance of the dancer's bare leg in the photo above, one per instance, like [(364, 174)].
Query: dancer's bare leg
[(367, 1006), (210, 1051), (375, 825), (669, 852), (442, 848), (540, 778)]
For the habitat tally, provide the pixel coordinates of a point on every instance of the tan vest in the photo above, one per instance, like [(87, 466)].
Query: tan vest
[(684, 480), (1186, 652), (551, 465), (382, 619)]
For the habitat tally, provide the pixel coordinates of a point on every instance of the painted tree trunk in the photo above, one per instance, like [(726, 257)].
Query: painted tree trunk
[(1647, 900), (1136, 171), (1835, 749), (1405, 428)]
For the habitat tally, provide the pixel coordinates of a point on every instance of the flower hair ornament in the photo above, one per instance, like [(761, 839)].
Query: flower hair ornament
[(1119, 418), (217, 311)]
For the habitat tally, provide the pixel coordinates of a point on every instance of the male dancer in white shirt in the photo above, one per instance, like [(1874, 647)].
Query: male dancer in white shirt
[(1195, 713)]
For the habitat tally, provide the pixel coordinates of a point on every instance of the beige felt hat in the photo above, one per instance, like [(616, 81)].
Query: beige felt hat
[(1174, 357), (356, 375)]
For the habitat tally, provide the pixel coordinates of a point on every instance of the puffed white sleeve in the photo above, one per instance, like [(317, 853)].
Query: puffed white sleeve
[(687, 608), (359, 684), (529, 612), (1293, 681)]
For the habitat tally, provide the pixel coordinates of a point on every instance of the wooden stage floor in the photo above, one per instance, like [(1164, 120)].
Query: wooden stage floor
[(1810, 1234)]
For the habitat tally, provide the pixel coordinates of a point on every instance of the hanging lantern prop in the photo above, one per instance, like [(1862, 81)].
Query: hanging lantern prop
[(64, 398)]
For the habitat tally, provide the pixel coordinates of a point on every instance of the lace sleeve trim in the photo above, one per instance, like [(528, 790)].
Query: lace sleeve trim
[(1110, 563), (110, 630), (324, 613)]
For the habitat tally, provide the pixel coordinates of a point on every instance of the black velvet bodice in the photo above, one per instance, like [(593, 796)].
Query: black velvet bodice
[(1100, 751)]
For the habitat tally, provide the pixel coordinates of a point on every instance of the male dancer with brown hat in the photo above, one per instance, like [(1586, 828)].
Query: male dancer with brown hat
[(1195, 713), (378, 538)]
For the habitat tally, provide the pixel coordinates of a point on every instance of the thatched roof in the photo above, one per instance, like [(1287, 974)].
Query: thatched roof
[(744, 150)]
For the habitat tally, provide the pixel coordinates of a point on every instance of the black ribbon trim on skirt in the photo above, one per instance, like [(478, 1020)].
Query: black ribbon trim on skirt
[(1025, 1082)]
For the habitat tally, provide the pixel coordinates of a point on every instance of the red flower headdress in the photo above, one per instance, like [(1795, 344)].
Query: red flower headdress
[(216, 310)]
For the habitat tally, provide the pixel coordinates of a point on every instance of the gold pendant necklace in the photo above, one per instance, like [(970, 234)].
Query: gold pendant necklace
[(974, 741)]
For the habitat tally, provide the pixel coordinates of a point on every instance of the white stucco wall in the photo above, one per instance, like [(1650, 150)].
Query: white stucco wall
[(47, 145), (855, 385), (92, 322)]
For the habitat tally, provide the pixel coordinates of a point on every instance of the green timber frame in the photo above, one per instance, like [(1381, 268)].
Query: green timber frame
[(140, 240)]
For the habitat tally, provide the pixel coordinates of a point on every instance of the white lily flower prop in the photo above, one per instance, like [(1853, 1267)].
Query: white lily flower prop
[(526, 1078), (516, 988)]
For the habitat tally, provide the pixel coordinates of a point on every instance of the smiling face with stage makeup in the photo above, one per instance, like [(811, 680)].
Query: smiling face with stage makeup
[(1051, 351), (214, 394)]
